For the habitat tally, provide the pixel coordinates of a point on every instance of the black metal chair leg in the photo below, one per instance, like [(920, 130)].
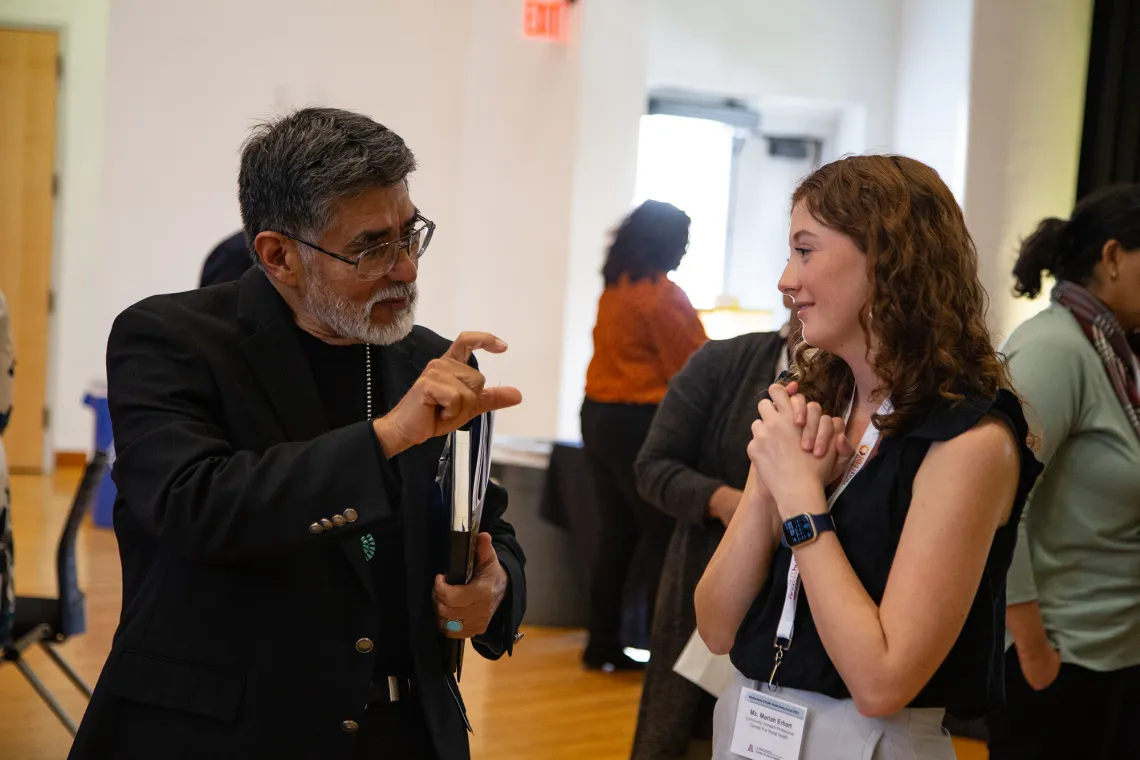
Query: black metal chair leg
[(66, 668), (46, 695)]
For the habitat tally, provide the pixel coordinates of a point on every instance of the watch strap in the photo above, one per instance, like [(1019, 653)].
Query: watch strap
[(820, 524)]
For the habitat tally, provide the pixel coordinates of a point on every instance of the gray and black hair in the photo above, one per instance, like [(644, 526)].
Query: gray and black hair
[(294, 169)]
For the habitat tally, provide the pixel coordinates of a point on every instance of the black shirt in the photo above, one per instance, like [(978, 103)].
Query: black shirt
[(869, 517), (340, 375)]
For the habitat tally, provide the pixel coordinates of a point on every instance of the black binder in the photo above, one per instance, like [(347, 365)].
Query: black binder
[(464, 472)]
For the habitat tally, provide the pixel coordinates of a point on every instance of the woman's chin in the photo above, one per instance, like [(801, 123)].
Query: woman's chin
[(813, 339)]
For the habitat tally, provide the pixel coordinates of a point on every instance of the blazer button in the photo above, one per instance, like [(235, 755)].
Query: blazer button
[(364, 646), (349, 726), (338, 521), (316, 528), (350, 515), (326, 523)]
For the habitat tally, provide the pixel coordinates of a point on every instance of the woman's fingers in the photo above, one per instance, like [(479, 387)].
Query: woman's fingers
[(823, 441), (780, 397), (799, 409), (813, 416), (767, 409)]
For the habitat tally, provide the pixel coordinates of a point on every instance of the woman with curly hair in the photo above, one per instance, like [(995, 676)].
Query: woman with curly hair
[(861, 588), (646, 331)]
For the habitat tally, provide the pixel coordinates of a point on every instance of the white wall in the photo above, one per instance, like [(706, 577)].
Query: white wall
[(527, 149), (823, 50), (493, 118), (1027, 86), (77, 346), (514, 185), (490, 115), (181, 103), (611, 99), (933, 103)]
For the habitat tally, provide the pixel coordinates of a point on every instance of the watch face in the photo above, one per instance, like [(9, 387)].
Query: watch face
[(798, 529)]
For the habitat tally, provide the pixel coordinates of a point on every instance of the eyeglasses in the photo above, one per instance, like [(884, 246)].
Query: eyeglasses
[(377, 261)]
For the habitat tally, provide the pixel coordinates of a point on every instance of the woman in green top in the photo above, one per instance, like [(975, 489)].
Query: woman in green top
[(1073, 674)]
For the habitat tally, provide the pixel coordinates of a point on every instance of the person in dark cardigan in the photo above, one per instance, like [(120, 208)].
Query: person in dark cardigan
[(693, 467)]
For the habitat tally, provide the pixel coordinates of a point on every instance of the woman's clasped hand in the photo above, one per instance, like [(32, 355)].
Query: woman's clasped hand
[(796, 448)]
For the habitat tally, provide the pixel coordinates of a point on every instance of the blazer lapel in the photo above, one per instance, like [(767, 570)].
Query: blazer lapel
[(276, 358), (401, 365)]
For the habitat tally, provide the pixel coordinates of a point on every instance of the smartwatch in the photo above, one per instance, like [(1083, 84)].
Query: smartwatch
[(801, 530)]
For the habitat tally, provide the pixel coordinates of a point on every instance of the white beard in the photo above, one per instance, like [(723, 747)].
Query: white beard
[(353, 321)]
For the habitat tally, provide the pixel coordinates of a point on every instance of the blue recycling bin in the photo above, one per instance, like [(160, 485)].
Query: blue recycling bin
[(103, 508)]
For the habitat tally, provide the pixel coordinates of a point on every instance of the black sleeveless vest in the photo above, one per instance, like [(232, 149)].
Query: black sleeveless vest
[(869, 517)]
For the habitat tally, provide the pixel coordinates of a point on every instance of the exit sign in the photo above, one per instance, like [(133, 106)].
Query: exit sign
[(544, 19)]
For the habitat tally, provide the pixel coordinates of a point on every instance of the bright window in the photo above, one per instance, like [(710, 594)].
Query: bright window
[(688, 162)]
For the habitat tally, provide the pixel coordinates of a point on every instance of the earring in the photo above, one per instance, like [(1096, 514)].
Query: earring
[(1115, 275)]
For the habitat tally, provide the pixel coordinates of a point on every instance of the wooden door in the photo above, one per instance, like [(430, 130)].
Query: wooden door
[(28, 78)]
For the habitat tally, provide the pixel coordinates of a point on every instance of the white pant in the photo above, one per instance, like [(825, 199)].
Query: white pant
[(836, 731)]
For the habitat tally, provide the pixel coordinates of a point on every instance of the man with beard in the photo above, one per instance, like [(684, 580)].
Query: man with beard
[(278, 437)]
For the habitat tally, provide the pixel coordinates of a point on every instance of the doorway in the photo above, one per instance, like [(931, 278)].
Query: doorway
[(29, 74)]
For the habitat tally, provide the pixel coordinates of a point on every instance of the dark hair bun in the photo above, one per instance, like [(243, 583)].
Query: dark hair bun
[(1071, 250), (1040, 252)]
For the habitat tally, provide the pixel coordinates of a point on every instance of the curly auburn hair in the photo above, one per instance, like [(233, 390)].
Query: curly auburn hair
[(927, 307)]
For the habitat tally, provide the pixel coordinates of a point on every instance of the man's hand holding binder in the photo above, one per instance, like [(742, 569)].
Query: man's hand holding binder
[(474, 585), (474, 603), (451, 398)]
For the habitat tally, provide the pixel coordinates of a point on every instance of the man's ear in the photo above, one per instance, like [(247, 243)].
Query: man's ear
[(279, 257)]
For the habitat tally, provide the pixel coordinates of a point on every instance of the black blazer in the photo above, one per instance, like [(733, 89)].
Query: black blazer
[(239, 623)]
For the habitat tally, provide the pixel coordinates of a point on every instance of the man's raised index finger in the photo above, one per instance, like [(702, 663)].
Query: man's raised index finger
[(467, 342)]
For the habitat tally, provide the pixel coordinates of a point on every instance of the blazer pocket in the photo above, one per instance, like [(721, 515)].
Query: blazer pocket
[(175, 685)]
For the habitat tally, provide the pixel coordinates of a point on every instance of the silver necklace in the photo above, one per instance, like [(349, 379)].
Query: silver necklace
[(368, 380)]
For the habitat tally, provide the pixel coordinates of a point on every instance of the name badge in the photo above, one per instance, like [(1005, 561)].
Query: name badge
[(767, 727)]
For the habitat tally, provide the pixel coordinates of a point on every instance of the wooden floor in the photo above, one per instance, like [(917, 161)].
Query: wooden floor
[(538, 705)]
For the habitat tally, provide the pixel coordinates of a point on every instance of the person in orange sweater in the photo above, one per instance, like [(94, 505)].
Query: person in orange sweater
[(646, 330)]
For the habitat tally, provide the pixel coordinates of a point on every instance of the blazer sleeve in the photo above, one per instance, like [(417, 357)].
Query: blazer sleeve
[(190, 489), (666, 466), (502, 631)]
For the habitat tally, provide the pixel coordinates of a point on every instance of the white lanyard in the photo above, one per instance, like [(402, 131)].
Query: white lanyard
[(788, 617)]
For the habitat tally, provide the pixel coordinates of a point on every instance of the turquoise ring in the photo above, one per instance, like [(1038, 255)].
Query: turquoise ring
[(454, 626)]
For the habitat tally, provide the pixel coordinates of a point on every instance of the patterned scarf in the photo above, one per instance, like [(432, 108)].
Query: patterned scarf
[(1110, 341)]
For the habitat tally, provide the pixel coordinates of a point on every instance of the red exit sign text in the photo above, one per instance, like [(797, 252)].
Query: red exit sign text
[(544, 19)]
